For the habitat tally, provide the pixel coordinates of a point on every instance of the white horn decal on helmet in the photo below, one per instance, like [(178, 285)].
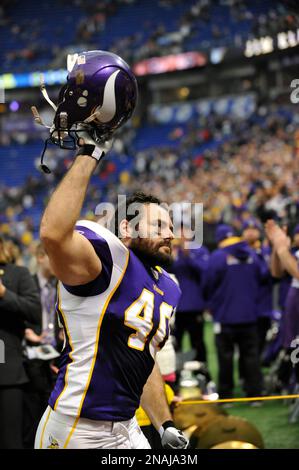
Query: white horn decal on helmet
[(106, 112)]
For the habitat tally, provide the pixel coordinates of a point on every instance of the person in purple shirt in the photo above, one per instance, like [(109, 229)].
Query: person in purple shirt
[(283, 260), (285, 283), (286, 280), (190, 266), (252, 234), (232, 288)]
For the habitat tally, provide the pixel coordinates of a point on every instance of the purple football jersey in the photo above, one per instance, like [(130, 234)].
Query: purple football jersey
[(114, 326)]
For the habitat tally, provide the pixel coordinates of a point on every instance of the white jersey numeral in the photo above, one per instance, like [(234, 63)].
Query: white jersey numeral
[(139, 317), (165, 315)]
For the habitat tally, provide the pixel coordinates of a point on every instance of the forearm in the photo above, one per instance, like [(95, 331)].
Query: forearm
[(65, 205), (153, 399), (276, 267), (288, 262)]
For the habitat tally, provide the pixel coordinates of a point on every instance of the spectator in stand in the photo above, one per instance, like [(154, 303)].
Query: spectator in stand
[(257, 171)]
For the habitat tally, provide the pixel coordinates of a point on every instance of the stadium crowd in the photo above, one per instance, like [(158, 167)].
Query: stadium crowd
[(250, 177), (184, 26), (250, 171)]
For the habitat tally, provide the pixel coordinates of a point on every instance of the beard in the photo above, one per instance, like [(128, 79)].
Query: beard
[(149, 253)]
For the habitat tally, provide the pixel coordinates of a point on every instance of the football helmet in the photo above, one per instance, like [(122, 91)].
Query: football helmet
[(101, 92)]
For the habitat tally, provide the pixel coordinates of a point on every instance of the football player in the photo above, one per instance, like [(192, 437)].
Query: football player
[(114, 302)]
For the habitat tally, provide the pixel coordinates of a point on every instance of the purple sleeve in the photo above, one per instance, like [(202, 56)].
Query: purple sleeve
[(199, 259), (101, 283), (264, 273), (215, 272)]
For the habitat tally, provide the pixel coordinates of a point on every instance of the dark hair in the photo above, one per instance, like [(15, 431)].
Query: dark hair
[(138, 197), (3, 254), (8, 251)]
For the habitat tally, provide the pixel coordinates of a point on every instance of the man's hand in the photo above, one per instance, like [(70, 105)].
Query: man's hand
[(171, 437), (89, 146), (277, 236), (281, 258), (2, 289), (32, 337)]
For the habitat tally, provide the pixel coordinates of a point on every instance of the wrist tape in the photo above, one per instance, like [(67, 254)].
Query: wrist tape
[(91, 151), (165, 425)]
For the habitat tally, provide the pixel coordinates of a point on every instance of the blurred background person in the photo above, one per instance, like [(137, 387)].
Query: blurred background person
[(286, 279), (41, 372), (277, 353), (13, 252), (190, 266), (283, 260), (19, 303), (233, 280), (252, 234)]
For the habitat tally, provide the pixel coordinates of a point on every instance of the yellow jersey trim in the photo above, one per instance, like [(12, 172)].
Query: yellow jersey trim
[(44, 428), (71, 346), (230, 241), (156, 288)]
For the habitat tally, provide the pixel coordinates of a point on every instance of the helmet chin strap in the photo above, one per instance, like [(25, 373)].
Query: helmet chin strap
[(36, 115), (45, 93), (39, 120)]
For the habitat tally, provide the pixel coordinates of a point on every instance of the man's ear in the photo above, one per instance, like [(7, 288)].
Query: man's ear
[(125, 229)]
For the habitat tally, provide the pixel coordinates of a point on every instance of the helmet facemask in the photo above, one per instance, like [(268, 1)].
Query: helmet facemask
[(101, 93)]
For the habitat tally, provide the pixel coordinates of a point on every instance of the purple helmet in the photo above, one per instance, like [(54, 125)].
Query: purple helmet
[(101, 90)]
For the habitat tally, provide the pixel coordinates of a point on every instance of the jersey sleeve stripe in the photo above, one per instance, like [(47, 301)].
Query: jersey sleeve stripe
[(44, 428), (69, 341)]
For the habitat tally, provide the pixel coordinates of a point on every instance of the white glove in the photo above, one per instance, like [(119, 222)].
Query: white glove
[(171, 437), (89, 146)]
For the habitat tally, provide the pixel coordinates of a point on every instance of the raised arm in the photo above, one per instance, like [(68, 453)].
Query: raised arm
[(275, 265), (72, 257), (283, 260), (288, 261)]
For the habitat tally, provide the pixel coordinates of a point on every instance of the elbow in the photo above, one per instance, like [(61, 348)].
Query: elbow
[(47, 236), (50, 237), (45, 232)]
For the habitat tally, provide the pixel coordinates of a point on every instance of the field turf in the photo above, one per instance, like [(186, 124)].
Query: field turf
[(271, 419)]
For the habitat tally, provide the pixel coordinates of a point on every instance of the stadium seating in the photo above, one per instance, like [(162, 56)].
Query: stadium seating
[(25, 39)]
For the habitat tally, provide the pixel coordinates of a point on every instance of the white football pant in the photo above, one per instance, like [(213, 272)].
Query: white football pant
[(58, 431)]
